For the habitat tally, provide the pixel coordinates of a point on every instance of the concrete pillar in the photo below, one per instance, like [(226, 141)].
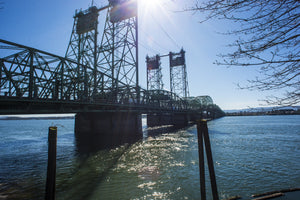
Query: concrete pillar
[(159, 119), (153, 120), (178, 120), (94, 131), (195, 117)]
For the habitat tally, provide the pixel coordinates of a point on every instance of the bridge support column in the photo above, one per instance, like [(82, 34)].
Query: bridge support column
[(159, 119), (94, 131), (195, 117), (178, 119)]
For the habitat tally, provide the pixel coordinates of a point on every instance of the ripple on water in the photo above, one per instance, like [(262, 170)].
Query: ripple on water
[(251, 155)]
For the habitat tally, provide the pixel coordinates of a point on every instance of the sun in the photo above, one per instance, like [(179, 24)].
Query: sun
[(150, 5), (155, 11)]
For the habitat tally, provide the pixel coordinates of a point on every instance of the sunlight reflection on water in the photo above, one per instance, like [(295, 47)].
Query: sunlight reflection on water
[(251, 155)]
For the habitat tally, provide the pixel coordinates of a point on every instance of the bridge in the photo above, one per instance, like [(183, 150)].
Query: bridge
[(99, 80)]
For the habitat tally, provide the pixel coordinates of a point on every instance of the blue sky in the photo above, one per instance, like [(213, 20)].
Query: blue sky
[(47, 25)]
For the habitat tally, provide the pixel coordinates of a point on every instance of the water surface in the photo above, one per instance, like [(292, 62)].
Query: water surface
[(252, 154)]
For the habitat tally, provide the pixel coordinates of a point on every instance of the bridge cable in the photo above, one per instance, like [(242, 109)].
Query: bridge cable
[(154, 41), (162, 28)]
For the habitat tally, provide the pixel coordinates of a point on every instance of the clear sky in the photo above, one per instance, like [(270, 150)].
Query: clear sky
[(47, 25)]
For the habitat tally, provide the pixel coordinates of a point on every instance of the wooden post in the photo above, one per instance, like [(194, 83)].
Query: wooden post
[(210, 162), (201, 160), (51, 169), (202, 131)]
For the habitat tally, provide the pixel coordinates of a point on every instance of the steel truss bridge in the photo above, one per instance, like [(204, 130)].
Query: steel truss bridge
[(90, 77), (35, 81)]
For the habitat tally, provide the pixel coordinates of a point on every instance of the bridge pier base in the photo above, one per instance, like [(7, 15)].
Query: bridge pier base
[(159, 119), (175, 119), (94, 131), (181, 120), (195, 117)]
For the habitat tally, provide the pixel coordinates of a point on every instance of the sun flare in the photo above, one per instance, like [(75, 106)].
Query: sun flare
[(151, 4)]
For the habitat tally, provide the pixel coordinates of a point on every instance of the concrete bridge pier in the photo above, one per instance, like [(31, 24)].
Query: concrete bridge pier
[(94, 131), (160, 119), (181, 120), (195, 117)]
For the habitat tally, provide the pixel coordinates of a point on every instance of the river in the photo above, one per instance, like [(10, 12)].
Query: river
[(252, 154)]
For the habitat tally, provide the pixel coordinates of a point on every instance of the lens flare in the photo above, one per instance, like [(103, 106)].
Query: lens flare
[(151, 4)]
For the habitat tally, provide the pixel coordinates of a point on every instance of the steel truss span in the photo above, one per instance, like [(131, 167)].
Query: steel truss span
[(35, 81)]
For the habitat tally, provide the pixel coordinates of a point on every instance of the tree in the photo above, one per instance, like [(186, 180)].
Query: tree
[(268, 37)]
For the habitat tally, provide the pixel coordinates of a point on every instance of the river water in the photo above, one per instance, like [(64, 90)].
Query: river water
[(252, 154)]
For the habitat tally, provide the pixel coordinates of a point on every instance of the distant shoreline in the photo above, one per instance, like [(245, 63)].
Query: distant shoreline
[(35, 118), (288, 110), (263, 113)]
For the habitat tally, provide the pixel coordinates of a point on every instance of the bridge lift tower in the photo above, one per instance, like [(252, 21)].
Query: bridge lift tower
[(178, 74), (117, 54), (108, 71), (83, 49), (154, 75)]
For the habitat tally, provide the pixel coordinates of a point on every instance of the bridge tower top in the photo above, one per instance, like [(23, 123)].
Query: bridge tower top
[(178, 74), (154, 75), (114, 52)]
